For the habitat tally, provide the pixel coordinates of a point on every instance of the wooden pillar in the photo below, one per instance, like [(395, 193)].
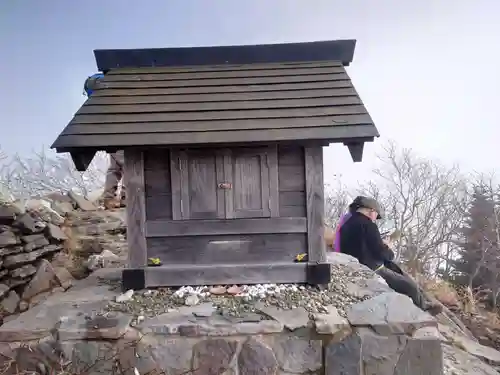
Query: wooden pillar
[(136, 207), (315, 203)]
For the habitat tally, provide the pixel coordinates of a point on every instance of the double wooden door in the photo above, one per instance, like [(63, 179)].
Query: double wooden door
[(224, 183)]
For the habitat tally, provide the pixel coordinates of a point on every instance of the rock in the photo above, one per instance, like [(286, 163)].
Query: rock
[(7, 214), (96, 328), (332, 323), (55, 233), (23, 271), (421, 357), (218, 290), (8, 238), (43, 210), (11, 250), (234, 290), (389, 313), (64, 277), (291, 319), (256, 358), (9, 304), (44, 280), (82, 203), (192, 300), (3, 290), (478, 350), (306, 358), (101, 260), (90, 357), (27, 224), (34, 241), (127, 296), (213, 356), (17, 260), (62, 208)]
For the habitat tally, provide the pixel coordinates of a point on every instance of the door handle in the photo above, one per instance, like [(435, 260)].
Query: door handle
[(225, 185)]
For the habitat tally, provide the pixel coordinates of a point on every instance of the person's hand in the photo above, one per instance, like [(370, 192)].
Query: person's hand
[(387, 242)]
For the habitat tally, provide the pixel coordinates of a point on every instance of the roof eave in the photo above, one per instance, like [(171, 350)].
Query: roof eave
[(338, 50)]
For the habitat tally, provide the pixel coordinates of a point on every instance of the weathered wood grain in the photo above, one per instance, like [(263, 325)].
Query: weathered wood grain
[(345, 105), (224, 68), (159, 207), (179, 275), (163, 228), (218, 106), (221, 74), (219, 125), (284, 87), (136, 218), (156, 98), (226, 81), (111, 141), (292, 178), (315, 204)]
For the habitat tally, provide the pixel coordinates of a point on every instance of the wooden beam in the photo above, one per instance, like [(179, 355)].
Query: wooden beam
[(136, 208), (356, 150), (82, 159), (176, 228), (315, 203), (217, 274)]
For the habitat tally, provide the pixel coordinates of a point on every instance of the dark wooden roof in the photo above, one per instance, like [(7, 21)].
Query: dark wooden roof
[(328, 50), (219, 104)]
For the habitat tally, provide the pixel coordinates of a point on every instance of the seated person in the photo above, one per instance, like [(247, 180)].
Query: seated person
[(360, 238)]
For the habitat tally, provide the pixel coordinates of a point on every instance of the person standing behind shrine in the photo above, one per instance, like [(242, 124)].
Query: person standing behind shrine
[(360, 238), (114, 174)]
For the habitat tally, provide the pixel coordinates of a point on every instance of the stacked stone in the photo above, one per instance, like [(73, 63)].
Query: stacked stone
[(30, 234)]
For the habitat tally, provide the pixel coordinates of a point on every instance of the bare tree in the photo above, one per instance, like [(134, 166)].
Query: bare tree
[(47, 172), (337, 199), (423, 199)]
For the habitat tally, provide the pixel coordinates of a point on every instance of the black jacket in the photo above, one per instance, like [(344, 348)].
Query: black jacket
[(360, 238)]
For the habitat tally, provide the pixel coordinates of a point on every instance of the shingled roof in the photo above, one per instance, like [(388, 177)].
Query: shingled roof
[(143, 104)]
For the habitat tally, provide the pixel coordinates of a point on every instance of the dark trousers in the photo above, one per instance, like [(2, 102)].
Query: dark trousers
[(404, 284)]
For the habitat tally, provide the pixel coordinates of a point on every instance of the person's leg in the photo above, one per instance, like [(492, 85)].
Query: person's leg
[(120, 161), (113, 176), (405, 285)]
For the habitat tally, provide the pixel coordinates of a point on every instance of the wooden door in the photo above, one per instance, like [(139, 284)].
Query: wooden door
[(252, 174), (195, 179)]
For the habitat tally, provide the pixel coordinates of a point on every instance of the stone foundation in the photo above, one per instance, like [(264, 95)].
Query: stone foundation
[(198, 340)]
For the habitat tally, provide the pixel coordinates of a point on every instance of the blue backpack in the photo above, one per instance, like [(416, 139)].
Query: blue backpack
[(91, 83)]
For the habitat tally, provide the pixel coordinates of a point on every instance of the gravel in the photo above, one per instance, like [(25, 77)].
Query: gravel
[(285, 296)]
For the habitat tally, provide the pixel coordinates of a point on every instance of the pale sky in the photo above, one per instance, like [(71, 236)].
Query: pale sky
[(428, 70)]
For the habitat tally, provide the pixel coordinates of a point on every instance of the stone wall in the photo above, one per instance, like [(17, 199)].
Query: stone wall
[(30, 234)]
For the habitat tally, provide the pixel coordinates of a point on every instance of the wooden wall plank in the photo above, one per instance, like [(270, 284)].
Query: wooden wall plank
[(159, 207), (163, 228), (175, 179), (273, 72), (315, 203), (272, 163), (224, 249), (229, 67), (226, 81), (136, 218), (219, 97), (226, 274), (285, 87)]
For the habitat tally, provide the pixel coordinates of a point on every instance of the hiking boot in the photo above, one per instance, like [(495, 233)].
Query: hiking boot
[(111, 203)]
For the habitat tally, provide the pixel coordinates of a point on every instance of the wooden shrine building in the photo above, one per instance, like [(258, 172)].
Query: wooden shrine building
[(223, 156)]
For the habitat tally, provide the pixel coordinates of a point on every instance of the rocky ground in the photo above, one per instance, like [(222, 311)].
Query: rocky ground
[(96, 246)]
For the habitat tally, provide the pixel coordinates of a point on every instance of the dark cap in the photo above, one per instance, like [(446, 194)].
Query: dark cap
[(366, 202)]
